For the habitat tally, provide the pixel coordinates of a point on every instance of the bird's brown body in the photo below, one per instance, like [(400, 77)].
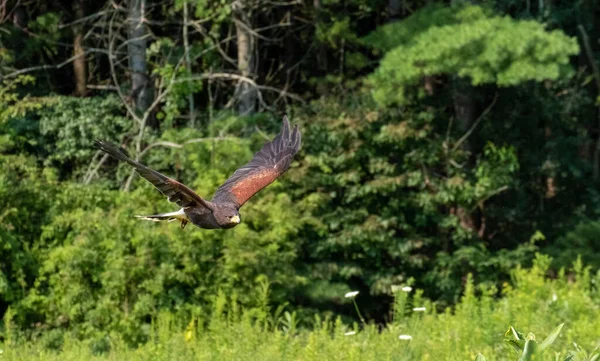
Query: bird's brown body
[(204, 217), (222, 211)]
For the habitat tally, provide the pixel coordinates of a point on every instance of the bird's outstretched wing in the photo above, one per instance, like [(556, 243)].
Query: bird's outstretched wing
[(269, 163), (176, 192)]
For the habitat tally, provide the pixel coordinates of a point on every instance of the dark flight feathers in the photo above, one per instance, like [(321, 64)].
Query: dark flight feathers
[(269, 163), (176, 192)]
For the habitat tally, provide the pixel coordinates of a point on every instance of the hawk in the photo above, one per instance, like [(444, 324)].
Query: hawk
[(222, 211)]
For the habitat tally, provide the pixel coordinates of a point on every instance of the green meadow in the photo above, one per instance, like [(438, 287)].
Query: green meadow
[(478, 324)]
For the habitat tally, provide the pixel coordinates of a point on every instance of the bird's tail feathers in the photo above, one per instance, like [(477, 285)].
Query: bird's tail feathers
[(169, 217)]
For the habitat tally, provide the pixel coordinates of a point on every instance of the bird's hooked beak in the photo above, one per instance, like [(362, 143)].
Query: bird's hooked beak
[(235, 219)]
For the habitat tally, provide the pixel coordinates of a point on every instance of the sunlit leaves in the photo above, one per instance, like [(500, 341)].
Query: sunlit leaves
[(13, 104), (470, 42), (69, 126), (91, 267)]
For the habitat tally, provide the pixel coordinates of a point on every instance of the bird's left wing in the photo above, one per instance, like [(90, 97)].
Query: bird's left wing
[(175, 191), (268, 164)]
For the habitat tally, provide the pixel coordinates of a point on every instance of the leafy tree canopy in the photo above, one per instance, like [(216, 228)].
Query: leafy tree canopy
[(471, 42)]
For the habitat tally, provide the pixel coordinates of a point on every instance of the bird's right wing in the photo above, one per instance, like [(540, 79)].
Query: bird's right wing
[(176, 192), (267, 165)]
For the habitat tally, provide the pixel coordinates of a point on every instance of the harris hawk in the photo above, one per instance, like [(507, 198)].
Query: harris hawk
[(222, 211)]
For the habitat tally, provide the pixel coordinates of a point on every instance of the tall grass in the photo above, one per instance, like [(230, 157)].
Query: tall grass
[(476, 325)]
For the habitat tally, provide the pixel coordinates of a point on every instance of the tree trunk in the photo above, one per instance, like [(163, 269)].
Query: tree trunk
[(142, 92), (188, 63), (321, 50), (587, 20), (19, 17), (395, 8), (79, 64), (464, 109), (246, 44)]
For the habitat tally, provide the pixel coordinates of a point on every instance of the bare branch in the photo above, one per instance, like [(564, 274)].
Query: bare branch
[(262, 134), (140, 137), (131, 40), (475, 124), (590, 55), (490, 195), (101, 87), (256, 32), (232, 76), (83, 20), (46, 67), (188, 64), (3, 6), (87, 172), (93, 172), (216, 43), (179, 146), (283, 3)]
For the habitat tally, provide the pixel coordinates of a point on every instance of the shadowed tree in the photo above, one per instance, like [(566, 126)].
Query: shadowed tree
[(79, 65), (246, 93), (142, 91)]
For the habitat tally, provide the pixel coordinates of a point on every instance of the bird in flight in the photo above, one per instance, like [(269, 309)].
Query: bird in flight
[(222, 211)]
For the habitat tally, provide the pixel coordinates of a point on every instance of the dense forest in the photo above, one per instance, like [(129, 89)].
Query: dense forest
[(440, 139)]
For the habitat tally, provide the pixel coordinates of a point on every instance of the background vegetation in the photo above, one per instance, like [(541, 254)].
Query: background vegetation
[(416, 330), (440, 139)]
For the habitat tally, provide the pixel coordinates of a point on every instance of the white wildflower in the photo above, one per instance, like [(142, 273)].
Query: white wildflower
[(351, 294), (554, 297), (419, 309), (405, 337), (350, 333), (406, 288)]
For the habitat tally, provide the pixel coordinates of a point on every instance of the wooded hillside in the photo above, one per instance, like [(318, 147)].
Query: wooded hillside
[(440, 138)]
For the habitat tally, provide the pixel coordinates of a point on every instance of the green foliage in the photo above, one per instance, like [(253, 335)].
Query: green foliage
[(69, 125), (176, 99), (527, 346), (378, 198), (471, 330), (384, 187), (25, 194), (220, 9), (46, 26), (335, 32), (580, 242), (470, 42), (12, 103), (580, 354), (85, 264)]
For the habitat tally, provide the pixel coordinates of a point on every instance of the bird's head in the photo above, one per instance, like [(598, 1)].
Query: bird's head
[(227, 217), (235, 219)]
